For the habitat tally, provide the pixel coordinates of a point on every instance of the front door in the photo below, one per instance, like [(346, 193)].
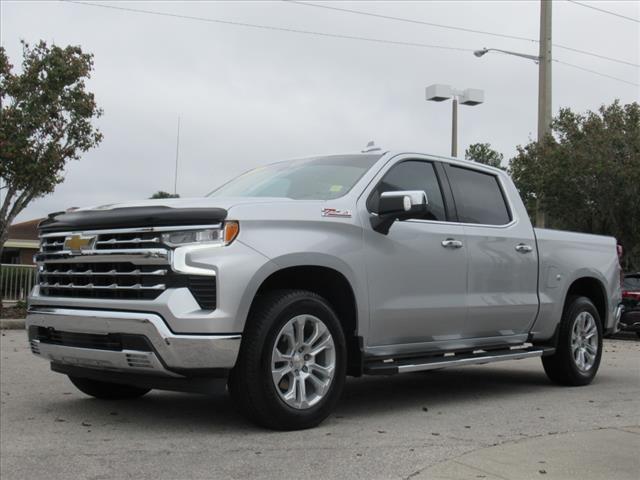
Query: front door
[(417, 272)]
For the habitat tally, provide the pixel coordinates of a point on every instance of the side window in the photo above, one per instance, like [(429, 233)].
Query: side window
[(412, 175), (479, 198)]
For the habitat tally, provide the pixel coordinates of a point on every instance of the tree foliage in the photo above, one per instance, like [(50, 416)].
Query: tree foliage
[(483, 153), (587, 175), (163, 194), (46, 118)]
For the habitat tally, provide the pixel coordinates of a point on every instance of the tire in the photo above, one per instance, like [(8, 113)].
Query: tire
[(574, 362), (107, 390), (270, 351)]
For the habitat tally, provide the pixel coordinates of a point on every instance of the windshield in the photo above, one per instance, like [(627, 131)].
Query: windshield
[(321, 178)]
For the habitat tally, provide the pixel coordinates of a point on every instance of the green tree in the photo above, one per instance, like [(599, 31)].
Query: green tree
[(587, 175), (483, 153), (163, 194), (45, 121)]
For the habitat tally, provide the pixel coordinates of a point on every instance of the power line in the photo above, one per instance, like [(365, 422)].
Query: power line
[(602, 10), (604, 57), (269, 27), (411, 20), (312, 32), (595, 72), (461, 29)]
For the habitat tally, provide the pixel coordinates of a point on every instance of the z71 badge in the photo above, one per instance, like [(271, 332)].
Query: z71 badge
[(335, 212)]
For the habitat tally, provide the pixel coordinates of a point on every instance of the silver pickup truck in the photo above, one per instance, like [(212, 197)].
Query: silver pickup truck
[(292, 276)]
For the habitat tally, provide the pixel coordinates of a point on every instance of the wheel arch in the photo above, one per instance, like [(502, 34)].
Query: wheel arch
[(594, 290), (331, 284)]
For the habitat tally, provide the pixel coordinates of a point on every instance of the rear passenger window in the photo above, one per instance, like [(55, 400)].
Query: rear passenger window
[(412, 175), (479, 198)]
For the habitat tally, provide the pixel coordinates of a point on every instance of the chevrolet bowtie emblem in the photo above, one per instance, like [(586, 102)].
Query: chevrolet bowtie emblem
[(78, 243)]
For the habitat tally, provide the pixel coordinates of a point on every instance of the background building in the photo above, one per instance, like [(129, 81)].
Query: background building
[(23, 243)]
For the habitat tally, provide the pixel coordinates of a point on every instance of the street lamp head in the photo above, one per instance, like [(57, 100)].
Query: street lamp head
[(439, 93), (479, 53), (472, 97)]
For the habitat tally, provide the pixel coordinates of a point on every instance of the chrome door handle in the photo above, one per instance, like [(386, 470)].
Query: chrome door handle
[(451, 243), (523, 248)]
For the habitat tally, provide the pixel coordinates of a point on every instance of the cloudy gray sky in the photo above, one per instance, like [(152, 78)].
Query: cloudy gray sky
[(250, 96)]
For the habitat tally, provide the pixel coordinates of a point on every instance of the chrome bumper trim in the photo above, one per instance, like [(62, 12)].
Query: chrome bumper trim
[(180, 352), (126, 360)]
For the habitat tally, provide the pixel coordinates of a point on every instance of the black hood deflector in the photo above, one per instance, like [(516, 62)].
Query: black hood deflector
[(131, 217)]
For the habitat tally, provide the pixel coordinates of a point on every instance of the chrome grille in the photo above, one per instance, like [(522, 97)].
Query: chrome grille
[(102, 280), (52, 244), (122, 264), (119, 265), (111, 241)]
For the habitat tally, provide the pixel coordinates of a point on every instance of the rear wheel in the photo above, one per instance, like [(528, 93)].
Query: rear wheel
[(577, 357), (292, 362), (107, 390)]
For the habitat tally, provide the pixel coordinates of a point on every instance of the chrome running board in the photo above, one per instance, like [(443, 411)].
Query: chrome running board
[(479, 357)]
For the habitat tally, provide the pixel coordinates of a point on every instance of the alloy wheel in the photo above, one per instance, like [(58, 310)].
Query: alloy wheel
[(303, 361), (584, 341)]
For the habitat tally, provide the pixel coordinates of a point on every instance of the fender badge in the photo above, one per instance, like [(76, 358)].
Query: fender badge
[(334, 212)]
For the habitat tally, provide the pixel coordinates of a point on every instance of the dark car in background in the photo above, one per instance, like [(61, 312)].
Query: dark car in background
[(630, 320)]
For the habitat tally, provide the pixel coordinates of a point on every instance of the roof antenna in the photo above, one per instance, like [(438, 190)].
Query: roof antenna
[(371, 147), (175, 178)]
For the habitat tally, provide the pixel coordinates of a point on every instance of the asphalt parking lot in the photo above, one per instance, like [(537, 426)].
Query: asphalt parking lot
[(493, 422)]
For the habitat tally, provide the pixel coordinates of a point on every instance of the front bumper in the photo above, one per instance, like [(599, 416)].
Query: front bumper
[(169, 355)]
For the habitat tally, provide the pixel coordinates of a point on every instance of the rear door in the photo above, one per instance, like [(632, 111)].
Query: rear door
[(502, 274)]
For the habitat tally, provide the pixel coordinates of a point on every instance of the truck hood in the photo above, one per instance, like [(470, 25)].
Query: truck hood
[(194, 202), (150, 213)]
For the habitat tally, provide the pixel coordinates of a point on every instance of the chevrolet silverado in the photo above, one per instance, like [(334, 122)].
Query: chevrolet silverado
[(295, 275)]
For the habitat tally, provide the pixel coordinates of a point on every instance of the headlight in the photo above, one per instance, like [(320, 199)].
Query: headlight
[(214, 236)]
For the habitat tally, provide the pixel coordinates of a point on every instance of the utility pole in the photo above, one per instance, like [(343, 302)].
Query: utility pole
[(175, 178), (544, 87)]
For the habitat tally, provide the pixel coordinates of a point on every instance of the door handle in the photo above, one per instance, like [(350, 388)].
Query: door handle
[(523, 248), (451, 243)]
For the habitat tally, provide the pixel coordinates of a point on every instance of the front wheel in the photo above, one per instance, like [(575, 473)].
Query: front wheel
[(579, 350), (292, 362), (107, 390)]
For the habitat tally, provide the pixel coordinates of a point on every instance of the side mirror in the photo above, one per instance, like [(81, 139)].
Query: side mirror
[(398, 205)]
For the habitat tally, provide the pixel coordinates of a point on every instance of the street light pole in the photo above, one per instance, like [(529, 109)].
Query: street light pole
[(470, 96), (480, 53), (454, 127)]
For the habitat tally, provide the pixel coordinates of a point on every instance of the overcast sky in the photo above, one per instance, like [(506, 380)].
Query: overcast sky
[(250, 96)]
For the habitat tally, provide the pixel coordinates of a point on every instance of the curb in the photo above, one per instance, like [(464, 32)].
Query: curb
[(12, 324)]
